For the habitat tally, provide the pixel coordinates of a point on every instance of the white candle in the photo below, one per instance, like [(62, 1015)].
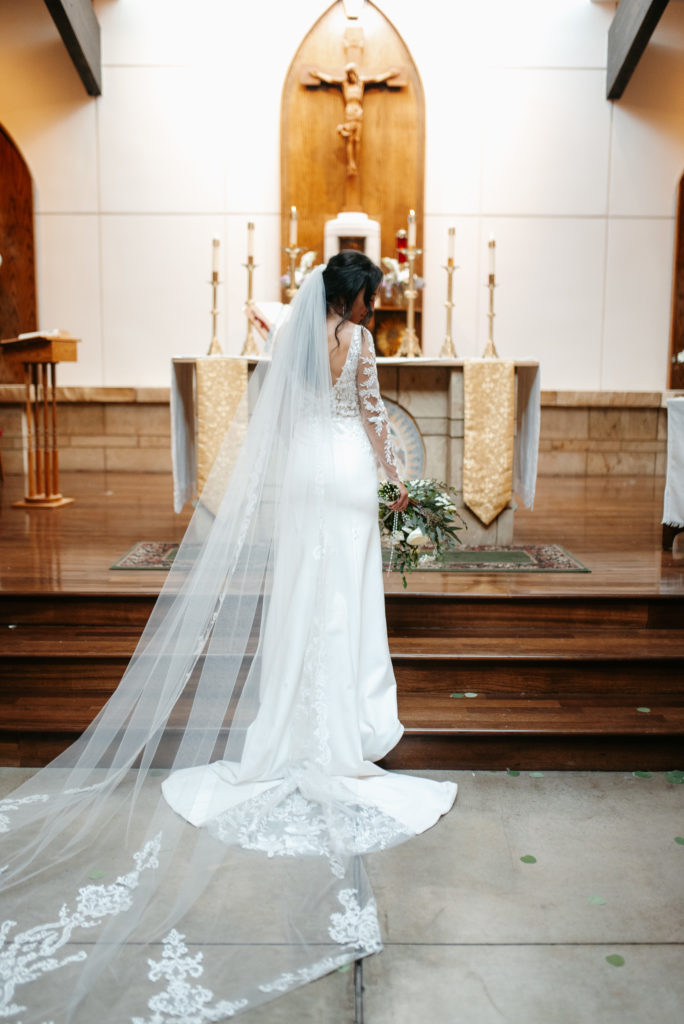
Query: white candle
[(250, 239), (492, 253), (452, 244), (293, 226), (215, 255), (412, 229)]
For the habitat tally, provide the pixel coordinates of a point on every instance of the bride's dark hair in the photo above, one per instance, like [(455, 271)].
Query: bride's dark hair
[(347, 273)]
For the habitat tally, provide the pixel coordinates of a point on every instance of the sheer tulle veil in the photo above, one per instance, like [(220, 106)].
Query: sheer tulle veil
[(114, 907)]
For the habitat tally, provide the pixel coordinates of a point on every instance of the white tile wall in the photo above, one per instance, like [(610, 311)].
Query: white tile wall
[(467, 298), (184, 144), (549, 295), (159, 147), (648, 130), (68, 268), (156, 297), (638, 289), (454, 138), (266, 274), (157, 32), (547, 150), (545, 33)]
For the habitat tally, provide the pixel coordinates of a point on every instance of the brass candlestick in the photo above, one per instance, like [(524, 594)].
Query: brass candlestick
[(448, 350), (490, 349), (250, 347), (293, 252), (410, 346), (214, 348)]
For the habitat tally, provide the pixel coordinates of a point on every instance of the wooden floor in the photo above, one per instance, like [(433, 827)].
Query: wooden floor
[(612, 526), (560, 662)]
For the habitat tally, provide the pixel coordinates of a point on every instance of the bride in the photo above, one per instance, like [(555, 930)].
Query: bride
[(261, 694)]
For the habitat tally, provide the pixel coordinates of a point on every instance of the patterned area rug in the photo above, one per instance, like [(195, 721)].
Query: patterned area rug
[(154, 554), (148, 554), (514, 558)]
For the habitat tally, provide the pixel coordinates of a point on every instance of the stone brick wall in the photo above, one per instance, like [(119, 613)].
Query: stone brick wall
[(128, 430), (594, 433), (100, 429)]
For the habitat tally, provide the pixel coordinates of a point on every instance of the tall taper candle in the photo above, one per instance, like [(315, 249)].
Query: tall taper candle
[(412, 229), (451, 249), (492, 251), (215, 255), (250, 239), (293, 225)]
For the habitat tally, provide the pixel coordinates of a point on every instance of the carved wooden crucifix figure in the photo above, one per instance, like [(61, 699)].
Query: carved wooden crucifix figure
[(352, 82)]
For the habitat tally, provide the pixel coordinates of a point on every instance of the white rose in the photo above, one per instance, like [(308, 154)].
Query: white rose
[(417, 539), (398, 536)]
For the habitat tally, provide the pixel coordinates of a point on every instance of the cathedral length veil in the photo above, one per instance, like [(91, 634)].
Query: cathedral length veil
[(114, 907)]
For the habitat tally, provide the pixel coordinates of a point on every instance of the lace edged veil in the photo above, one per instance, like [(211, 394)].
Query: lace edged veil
[(114, 907)]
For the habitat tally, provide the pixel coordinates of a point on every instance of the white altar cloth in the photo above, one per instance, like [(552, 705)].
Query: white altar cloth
[(184, 426)]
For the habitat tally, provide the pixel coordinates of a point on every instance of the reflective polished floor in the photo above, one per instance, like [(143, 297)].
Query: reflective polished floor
[(611, 524)]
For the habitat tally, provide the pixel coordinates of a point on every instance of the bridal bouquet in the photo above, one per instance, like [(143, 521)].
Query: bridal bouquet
[(425, 530)]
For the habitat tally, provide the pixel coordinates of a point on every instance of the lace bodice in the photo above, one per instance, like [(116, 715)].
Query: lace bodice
[(356, 393)]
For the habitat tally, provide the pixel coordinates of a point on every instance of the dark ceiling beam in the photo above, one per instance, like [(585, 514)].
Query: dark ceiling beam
[(628, 36), (80, 30)]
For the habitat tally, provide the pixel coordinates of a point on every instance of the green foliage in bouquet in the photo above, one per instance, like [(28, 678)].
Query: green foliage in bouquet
[(426, 528)]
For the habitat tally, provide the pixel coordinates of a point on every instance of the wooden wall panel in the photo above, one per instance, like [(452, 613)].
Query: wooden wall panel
[(313, 156)]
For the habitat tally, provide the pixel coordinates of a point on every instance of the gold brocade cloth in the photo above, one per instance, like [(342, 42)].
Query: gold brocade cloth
[(489, 427), (221, 382)]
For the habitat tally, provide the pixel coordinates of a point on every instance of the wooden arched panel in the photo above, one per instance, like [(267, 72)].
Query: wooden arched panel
[(17, 271), (313, 154)]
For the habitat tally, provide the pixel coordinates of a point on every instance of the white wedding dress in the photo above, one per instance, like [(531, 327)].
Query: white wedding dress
[(263, 685), (327, 694)]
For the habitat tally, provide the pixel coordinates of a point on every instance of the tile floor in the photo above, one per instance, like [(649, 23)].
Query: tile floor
[(475, 935)]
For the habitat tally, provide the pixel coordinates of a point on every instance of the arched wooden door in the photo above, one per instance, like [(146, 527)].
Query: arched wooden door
[(17, 270), (676, 368)]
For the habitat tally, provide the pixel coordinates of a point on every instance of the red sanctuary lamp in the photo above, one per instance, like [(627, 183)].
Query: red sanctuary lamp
[(401, 244)]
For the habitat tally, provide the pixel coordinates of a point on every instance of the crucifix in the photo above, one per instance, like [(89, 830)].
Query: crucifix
[(352, 81)]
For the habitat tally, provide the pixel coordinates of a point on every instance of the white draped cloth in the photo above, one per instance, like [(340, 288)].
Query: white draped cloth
[(528, 415), (673, 504)]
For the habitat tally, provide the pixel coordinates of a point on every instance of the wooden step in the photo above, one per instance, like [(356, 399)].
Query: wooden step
[(55, 658), (538, 734), (543, 615), (558, 679), (408, 614), (535, 735), (32, 640)]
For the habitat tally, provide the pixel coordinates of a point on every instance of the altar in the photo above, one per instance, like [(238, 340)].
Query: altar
[(425, 401)]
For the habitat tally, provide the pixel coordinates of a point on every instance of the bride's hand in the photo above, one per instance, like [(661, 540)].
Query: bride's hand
[(402, 501)]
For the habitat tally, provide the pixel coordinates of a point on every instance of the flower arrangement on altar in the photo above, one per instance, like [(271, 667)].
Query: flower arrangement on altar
[(396, 278), (306, 265), (425, 530)]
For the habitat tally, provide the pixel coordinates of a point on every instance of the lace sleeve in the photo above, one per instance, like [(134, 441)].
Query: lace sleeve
[(373, 412)]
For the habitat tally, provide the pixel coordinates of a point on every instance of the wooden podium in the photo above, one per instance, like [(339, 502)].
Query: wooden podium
[(39, 355)]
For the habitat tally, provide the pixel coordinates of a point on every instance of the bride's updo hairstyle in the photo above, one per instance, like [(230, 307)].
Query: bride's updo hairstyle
[(348, 272)]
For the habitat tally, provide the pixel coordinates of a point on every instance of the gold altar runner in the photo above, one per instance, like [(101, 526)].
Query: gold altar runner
[(488, 431), (220, 383)]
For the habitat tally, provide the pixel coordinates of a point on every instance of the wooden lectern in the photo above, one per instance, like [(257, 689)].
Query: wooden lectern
[(39, 354)]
